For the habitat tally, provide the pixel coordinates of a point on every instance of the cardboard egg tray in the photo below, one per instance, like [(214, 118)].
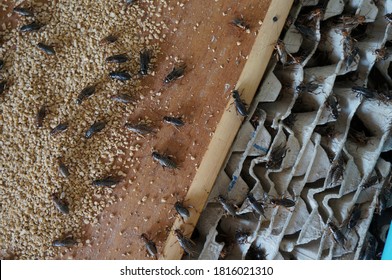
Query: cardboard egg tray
[(310, 138)]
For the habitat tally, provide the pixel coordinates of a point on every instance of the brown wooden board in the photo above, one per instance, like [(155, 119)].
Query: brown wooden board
[(229, 124), (215, 52)]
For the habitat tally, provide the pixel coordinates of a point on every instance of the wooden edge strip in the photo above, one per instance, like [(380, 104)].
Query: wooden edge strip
[(229, 124)]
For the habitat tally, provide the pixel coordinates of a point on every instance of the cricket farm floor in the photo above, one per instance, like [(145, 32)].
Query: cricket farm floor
[(215, 52)]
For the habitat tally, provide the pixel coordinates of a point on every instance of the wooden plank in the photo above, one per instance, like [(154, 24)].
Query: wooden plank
[(229, 124)]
